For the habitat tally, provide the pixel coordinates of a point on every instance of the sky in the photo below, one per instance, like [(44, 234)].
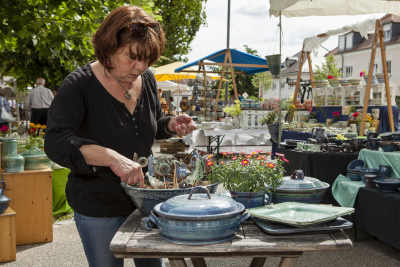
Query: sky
[(251, 25)]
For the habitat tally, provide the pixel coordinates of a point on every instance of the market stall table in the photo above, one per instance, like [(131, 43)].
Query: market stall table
[(132, 242), (290, 135), (218, 135), (323, 166)]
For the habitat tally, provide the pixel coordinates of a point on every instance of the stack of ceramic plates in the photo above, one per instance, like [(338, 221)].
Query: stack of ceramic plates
[(381, 78), (331, 100), (321, 83), (334, 82), (344, 82), (354, 81)]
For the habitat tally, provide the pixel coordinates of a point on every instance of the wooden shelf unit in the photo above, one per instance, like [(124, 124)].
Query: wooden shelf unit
[(8, 246)]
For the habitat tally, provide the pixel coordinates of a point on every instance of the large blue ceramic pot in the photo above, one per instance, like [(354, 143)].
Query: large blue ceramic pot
[(251, 199), (299, 189), (199, 219), (146, 199)]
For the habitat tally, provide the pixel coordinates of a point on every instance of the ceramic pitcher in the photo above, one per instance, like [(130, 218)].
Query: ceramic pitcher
[(319, 135)]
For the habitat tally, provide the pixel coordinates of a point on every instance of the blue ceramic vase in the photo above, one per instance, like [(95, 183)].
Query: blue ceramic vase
[(251, 199)]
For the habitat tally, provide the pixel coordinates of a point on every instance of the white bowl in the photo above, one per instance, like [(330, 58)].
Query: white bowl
[(207, 123), (173, 140)]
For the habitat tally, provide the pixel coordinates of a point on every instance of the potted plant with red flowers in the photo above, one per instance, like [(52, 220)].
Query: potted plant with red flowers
[(4, 130), (248, 177), (336, 116)]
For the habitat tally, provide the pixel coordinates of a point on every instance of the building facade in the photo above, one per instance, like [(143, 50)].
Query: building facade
[(353, 53)]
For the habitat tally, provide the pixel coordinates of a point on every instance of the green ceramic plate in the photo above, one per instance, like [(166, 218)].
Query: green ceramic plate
[(299, 214)]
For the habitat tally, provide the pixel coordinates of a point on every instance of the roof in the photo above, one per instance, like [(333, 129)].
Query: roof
[(367, 43), (237, 57)]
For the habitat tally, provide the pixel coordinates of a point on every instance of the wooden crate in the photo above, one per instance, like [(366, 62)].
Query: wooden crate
[(172, 147), (31, 199), (8, 246)]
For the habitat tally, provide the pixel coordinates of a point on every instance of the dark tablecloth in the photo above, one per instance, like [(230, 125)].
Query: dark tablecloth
[(323, 166), (384, 125), (378, 213), (290, 135)]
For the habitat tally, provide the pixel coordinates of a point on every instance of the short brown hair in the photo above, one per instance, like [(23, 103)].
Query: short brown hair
[(113, 35), (171, 98)]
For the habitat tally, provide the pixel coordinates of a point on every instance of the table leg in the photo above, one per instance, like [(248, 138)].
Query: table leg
[(177, 262), (257, 262), (218, 148), (199, 262), (288, 262)]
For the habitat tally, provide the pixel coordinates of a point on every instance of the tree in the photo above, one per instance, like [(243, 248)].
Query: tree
[(51, 38), (328, 69), (181, 21), (263, 79)]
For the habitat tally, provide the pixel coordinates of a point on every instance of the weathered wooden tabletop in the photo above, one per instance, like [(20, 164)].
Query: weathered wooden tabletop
[(132, 242)]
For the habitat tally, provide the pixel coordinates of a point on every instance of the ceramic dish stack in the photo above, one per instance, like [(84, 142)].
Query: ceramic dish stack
[(207, 125), (226, 126), (321, 83), (381, 78), (353, 169), (344, 82), (354, 81), (334, 82), (298, 215)]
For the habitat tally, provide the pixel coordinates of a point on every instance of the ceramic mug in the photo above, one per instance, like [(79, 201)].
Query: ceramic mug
[(346, 147), (369, 180), (385, 171), (317, 147), (308, 147), (300, 145), (357, 144)]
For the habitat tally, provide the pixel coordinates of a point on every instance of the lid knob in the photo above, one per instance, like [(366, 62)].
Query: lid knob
[(297, 175), (197, 188)]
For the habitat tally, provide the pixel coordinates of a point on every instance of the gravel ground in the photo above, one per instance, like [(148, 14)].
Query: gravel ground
[(66, 250)]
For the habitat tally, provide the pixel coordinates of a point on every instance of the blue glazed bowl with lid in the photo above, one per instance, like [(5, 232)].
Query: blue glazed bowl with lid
[(198, 219)]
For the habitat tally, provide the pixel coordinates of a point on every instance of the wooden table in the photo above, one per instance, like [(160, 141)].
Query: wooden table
[(132, 242)]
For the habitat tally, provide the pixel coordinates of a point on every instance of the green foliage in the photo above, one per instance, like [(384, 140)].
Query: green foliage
[(264, 79), (248, 173), (328, 68), (233, 110), (272, 117), (181, 21), (51, 38)]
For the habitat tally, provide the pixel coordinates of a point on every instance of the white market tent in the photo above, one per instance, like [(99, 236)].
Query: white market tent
[(171, 86), (304, 8)]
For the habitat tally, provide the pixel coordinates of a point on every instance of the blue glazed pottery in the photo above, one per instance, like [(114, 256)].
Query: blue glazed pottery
[(299, 189), (387, 146), (251, 199), (396, 136), (374, 143), (146, 199), (388, 185), (4, 201), (354, 177), (367, 171), (385, 171), (198, 219), (386, 136), (356, 164)]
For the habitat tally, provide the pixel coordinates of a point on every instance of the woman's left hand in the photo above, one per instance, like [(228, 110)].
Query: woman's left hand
[(182, 125)]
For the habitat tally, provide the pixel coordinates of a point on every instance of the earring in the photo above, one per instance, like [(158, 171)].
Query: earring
[(108, 62)]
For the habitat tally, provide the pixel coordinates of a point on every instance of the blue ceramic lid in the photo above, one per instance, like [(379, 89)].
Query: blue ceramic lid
[(199, 206), (297, 185)]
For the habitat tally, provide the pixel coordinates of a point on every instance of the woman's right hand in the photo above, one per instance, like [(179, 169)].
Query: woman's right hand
[(129, 171)]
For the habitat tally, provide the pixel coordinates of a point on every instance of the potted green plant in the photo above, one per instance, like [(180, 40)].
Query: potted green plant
[(235, 111), (271, 120), (247, 177)]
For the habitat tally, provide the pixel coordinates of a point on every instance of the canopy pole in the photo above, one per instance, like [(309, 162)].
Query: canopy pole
[(296, 90), (221, 81), (227, 47), (233, 77), (370, 71), (311, 69), (280, 84)]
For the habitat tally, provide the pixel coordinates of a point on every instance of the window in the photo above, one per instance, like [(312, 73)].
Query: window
[(349, 71), (274, 86), (341, 42), (349, 41), (283, 85), (389, 66), (386, 30), (375, 68)]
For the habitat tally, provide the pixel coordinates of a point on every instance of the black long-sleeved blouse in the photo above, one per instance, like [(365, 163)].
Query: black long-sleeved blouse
[(84, 112)]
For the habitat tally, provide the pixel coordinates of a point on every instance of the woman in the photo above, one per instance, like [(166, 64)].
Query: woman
[(103, 113), (4, 102)]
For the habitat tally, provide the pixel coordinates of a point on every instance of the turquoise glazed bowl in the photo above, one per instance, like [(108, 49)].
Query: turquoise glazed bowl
[(146, 199), (306, 190), (251, 199), (199, 219)]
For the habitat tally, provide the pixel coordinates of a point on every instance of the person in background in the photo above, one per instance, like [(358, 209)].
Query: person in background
[(54, 92), (38, 102), (240, 97), (171, 105), (7, 107)]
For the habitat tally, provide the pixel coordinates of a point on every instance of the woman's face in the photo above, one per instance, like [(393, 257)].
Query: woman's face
[(127, 69)]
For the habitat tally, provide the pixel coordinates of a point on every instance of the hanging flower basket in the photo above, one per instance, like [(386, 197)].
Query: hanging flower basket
[(273, 129), (274, 64)]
